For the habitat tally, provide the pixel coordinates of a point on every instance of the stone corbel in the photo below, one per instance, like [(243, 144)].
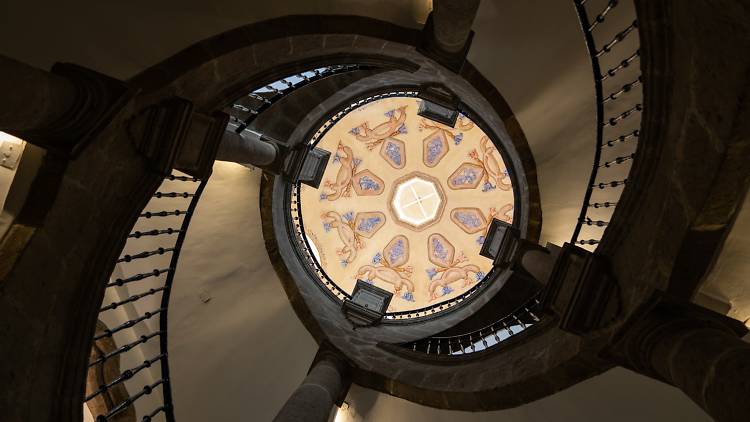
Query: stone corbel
[(367, 305), (171, 134), (198, 152), (159, 131), (504, 245), (304, 163), (582, 291), (438, 104)]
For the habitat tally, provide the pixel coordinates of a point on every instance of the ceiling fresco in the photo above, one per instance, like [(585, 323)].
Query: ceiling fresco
[(404, 204)]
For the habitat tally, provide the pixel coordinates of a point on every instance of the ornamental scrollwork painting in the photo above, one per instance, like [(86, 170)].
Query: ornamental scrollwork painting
[(448, 268), (390, 267), (494, 172), (472, 220), (364, 183), (391, 127)]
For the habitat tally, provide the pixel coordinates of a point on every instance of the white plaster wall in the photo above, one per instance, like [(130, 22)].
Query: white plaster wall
[(6, 174), (6, 178), (729, 282), (244, 351)]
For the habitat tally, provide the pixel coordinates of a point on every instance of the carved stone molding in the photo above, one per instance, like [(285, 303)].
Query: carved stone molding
[(582, 291), (77, 104), (159, 131), (693, 348), (198, 152)]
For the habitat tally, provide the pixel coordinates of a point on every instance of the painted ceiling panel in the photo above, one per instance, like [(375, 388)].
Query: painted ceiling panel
[(404, 203)]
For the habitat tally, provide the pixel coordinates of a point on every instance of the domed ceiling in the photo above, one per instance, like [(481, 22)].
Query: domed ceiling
[(404, 204)]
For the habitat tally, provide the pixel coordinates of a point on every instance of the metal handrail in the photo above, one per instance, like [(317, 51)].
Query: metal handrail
[(603, 123), (160, 312), (163, 319), (523, 317)]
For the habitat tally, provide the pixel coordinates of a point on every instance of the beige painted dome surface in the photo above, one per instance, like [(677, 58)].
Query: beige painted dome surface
[(405, 203)]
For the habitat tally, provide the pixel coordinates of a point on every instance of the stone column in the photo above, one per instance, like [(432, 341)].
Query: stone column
[(57, 110), (246, 148), (32, 98), (694, 349), (325, 385), (452, 20)]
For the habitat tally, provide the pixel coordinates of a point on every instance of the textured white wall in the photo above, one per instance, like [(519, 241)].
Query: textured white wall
[(244, 351)]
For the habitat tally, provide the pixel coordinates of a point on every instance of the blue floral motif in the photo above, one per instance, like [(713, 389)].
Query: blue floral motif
[(458, 138), (479, 276), (466, 177), (480, 240), (438, 250), (447, 290), (468, 219), (368, 281), (367, 224), (434, 148), (431, 272), (366, 183), (377, 259), (357, 162), (323, 196), (344, 263), (487, 186), (389, 113), (348, 216), (402, 129), (327, 227), (354, 131), (336, 157), (393, 152), (408, 297), (397, 251)]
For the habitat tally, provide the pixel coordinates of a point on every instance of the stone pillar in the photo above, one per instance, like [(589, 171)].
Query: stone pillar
[(57, 110), (694, 349), (246, 148), (446, 36), (32, 98), (325, 385), (452, 21)]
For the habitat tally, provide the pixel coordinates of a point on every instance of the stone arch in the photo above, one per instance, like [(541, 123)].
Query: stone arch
[(215, 71)]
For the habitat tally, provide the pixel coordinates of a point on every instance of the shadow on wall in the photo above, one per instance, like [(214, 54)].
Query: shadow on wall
[(617, 396), (727, 287), (234, 341), (534, 53)]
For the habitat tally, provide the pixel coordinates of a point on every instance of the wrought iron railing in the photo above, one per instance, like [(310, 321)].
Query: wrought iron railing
[(618, 109), (248, 107), (135, 331), (482, 339)]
